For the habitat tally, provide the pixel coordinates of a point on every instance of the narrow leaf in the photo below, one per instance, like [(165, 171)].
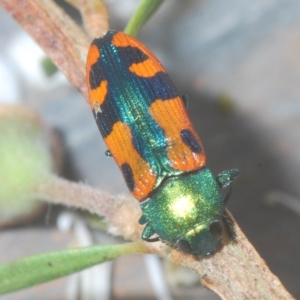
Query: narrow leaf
[(36, 269), (144, 11)]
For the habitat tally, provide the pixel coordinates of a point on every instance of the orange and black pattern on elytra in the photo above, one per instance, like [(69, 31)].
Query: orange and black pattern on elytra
[(140, 114), (119, 141), (184, 147), (97, 85)]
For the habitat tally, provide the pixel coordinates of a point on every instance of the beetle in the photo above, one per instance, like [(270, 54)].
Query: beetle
[(144, 123)]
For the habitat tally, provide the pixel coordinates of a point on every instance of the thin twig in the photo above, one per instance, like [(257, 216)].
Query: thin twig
[(59, 36), (94, 14)]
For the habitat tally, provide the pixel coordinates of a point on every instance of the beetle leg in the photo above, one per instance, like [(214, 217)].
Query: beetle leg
[(230, 228), (185, 99), (147, 232), (142, 220), (227, 177), (228, 193), (108, 153)]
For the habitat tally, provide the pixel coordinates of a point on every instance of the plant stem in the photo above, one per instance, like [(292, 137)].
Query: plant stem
[(117, 210), (144, 11)]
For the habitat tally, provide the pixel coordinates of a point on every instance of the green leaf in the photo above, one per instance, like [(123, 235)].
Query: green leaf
[(49, 67), (144, 11), (36, 269)]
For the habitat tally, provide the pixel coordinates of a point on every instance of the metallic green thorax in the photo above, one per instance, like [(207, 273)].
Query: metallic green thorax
[(184, 208)]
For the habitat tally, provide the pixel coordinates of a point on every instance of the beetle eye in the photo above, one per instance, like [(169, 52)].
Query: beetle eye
[(216, 229), (184, 246)]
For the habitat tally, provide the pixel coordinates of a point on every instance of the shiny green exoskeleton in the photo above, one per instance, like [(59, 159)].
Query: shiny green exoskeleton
[(193, 209), (144, 123)]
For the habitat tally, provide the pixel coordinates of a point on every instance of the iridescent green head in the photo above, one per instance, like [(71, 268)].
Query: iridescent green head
[(187, 211)]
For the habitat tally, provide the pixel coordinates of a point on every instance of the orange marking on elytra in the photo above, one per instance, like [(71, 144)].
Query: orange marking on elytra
[(97, 96), (120, 144), (171, 116), (146, 68), (93, 55)]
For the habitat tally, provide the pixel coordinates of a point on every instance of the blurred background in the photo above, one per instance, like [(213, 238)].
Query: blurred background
[(239, 63)]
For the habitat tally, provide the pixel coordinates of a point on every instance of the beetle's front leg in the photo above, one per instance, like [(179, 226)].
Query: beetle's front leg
[(226, 178)]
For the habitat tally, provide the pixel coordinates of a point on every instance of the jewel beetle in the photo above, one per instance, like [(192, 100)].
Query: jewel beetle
[(144, 123)]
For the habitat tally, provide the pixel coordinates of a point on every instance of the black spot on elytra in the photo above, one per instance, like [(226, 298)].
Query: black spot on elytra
[(132, 55), (96, 75), (128, 175), (96, 72), (190, 140), (106, 119)]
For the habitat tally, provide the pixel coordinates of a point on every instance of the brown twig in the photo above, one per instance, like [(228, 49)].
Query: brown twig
[(235, 272), (59, 36), (94, 14)]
